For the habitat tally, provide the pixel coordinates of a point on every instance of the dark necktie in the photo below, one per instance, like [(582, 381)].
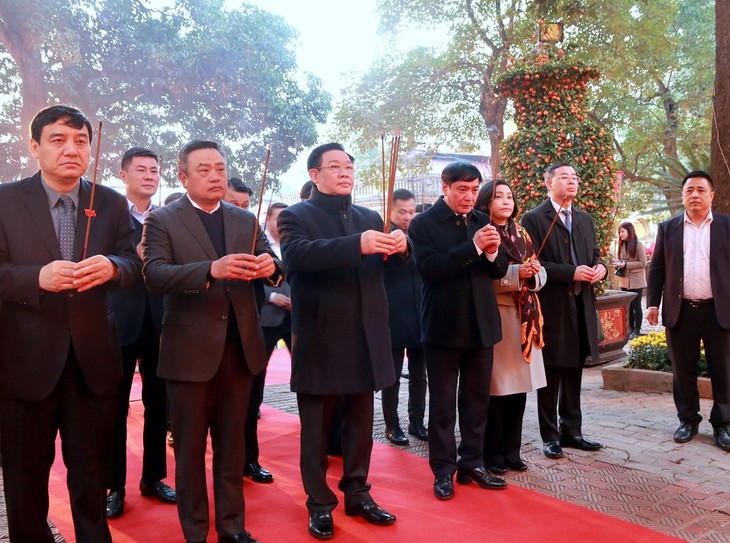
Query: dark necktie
[(573, 256), (66, 227)]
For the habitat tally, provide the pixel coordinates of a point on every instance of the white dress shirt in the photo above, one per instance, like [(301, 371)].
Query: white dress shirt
[(696, 249)]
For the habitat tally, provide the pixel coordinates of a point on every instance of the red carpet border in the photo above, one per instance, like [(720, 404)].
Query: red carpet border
[(401, 483)]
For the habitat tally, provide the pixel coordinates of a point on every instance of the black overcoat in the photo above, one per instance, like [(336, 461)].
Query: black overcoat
[(340, 337), (459, 309), (404, 287), (557, 297)]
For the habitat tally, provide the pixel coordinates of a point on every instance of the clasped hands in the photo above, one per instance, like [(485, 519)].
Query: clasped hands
[(487, 239), (65, 275), (589, 274), (373, 242), (243, 266), (528, 270)]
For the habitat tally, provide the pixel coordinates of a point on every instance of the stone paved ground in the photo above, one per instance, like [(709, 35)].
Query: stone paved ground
[(640, 476)]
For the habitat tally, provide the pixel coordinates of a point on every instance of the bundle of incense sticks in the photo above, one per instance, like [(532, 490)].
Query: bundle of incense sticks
[(261, 198), (90, 212), (388, 190)]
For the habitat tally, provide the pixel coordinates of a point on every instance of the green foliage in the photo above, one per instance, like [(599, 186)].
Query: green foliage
[(549, 93), (670, 171), (649, 352), (440, 96), (159, 78), (656, 57)]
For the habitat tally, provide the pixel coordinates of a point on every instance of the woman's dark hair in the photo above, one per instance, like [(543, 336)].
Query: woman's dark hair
[(484, 198), (631, 242)]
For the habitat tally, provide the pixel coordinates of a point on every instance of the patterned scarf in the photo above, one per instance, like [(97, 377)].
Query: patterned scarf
[(517, 245)]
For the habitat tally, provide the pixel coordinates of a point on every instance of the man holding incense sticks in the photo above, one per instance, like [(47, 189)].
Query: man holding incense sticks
[(197, 252), (572, 261), (334, 254), (458, 256), (60, 360)]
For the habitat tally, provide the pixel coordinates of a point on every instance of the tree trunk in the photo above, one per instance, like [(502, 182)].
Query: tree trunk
[(720, 149), (19, 33), (492, 111)]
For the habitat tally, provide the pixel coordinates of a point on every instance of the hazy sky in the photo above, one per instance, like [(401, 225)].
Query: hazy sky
[(337, 37)]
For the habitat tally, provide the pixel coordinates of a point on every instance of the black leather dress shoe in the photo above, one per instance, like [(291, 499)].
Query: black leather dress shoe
[(579, 442), (519, 465), (498, 469), (396, 436), (321, 525), (162, 491), (243, 537), (685, 432), (371, 512), (115, 504), (722, 436), (418, 431), (443, 488), (552, 449), (481, 477), (257, 474)]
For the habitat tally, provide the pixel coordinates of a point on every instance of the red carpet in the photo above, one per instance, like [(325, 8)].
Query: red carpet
[(401, 483)]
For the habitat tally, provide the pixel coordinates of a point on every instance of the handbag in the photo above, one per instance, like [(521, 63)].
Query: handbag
[(620, 272)]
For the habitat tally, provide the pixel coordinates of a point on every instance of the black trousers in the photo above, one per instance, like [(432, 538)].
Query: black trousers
[(219, 406), (146, 350), (457, 379), (272, 335), (697, 324), (558, 403), (316, 413), (503, 436), (416, 388), (636, 315), (84, 421)]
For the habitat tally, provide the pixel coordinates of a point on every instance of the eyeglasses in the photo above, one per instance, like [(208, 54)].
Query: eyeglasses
[(566, 178), (349, 169)]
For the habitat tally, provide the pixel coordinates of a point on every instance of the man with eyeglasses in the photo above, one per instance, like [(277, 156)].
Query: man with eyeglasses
[(334, 253), (572, 261)]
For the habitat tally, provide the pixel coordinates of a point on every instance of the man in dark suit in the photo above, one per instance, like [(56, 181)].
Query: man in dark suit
[(572, 261), (689, 272), (334, 251), (196, 251), (60, 360), (403, 285), (457, 252), (139, 320), (276, 324)]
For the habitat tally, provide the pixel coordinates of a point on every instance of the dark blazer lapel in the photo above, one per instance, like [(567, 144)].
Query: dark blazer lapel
[(37, 204), (234, 231), (717, 236), (82, 220), (189, 217), (547, 208), (675, 233)]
